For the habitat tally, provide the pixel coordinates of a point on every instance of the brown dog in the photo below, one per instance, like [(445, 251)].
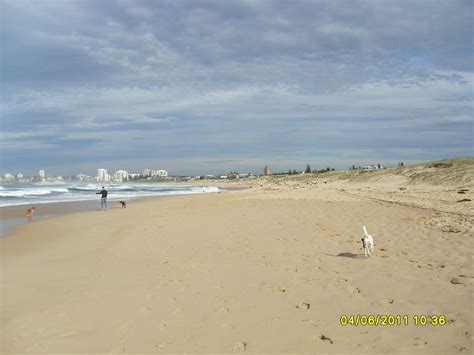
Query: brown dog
[(123, 203), (30, 211)]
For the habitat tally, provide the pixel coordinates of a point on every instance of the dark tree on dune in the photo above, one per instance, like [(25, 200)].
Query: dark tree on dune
[(308, 168)]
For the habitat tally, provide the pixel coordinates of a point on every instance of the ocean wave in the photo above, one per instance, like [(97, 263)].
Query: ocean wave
[(33, 194), (98, 187), (88, 187)]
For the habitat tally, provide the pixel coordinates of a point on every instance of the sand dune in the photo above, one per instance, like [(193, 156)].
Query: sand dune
[(269, 269)]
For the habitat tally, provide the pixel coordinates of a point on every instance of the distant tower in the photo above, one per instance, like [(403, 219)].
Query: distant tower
[(102, 175), (41, 174), (267, 170), (121, 175)]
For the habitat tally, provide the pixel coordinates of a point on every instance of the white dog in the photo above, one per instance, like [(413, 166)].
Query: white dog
[(367, 243)]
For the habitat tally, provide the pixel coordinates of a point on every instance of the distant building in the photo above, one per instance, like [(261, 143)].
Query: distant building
[(147, 172), (25, 180), (121, 175), (154, 173), (372, 167), (41, 174), (102, 175), (267, 170), (233, 175), (8, 177), (83, 177), (19, 176)]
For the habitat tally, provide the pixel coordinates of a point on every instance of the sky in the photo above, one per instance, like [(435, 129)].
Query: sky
[(211, 86)]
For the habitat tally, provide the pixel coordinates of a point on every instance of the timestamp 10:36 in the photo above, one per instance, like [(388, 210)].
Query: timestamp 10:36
[(392, 320)]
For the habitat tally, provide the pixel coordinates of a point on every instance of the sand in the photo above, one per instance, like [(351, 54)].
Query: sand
[(269, 269)]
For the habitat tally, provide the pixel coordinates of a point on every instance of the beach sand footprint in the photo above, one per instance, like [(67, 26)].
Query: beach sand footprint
[(239, 346), (354, 290), (418, 342), (303, 305), (323, 337), (450, 229), (163, 345), (279, 289), (223, 310), (461, 280)]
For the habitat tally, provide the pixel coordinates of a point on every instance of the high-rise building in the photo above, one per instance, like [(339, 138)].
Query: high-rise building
[(102, 175), (267, 170), (83, 177), (121, 175), (41, 174), (161, 173)]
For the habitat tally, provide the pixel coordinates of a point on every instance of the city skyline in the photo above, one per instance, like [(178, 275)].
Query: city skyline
[(205, 87), (100, 173)]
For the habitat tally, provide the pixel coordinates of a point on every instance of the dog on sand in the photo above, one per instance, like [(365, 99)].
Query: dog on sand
[(30, 211), (367, 243), (123, 203)]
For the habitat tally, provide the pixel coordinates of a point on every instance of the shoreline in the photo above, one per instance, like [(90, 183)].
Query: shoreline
[(13, 216)]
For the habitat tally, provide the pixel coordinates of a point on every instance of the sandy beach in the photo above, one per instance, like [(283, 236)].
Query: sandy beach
[(269, 269)]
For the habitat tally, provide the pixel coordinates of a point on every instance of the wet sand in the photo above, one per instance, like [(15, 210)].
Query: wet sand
[(13, 216)]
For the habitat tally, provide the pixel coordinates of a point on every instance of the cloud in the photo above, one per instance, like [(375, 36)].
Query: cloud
[(271, 79)]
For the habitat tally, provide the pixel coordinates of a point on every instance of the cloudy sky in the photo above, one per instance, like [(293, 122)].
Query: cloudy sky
[(198, 86)]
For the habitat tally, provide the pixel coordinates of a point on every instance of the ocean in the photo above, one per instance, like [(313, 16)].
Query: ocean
[(38, 193)]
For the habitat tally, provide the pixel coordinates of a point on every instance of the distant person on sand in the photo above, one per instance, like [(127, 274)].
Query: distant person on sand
[(103, 199)]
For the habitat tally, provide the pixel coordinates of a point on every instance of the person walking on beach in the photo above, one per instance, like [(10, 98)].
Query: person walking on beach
[(103, 199)]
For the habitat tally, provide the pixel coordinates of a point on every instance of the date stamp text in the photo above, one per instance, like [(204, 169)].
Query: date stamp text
[(391, 320)]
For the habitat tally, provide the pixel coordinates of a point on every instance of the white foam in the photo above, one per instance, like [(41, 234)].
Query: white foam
[(33, 194), (30, 192)]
